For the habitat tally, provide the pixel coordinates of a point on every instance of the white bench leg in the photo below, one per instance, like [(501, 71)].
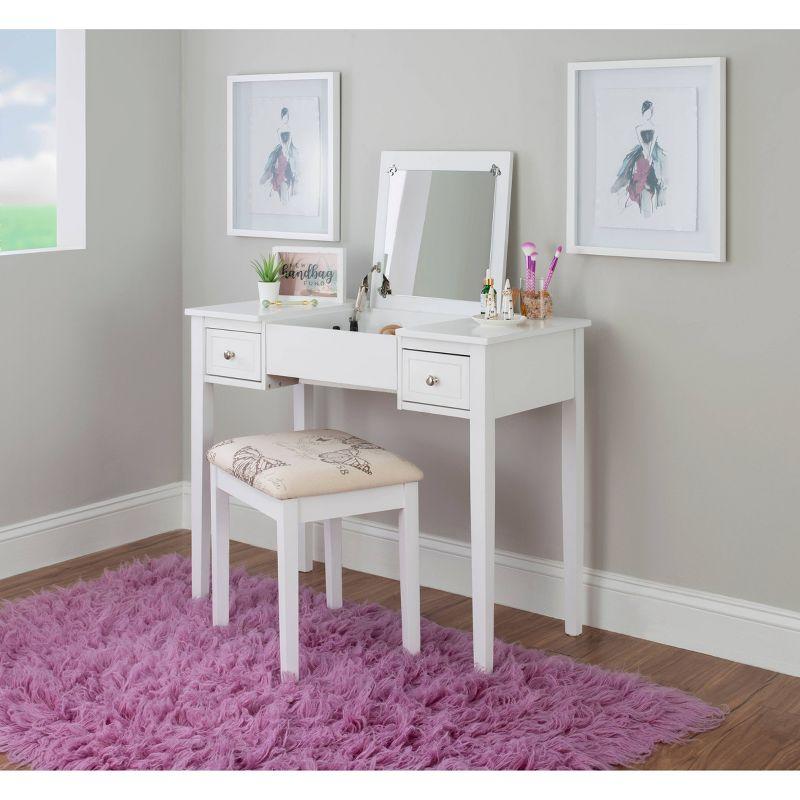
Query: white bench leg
[(220, 556), (409, 568), (289, 588), (333, 562)]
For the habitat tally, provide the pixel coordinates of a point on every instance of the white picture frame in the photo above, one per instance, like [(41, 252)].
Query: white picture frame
[(588, 86), (321, 260), (299, 199)]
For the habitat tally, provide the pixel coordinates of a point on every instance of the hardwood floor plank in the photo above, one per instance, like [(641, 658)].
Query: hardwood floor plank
[(782, 693), (762, 731), (753, 738), (530, 630)]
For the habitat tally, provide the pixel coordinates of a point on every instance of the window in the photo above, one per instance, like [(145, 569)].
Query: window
[(42, 140)]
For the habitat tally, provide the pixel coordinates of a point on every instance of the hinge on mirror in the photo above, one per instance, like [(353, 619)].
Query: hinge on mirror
[(495, 170), (393, 169), (385, 289)]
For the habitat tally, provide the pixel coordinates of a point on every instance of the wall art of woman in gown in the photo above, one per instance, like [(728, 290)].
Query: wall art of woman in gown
[(642, 175), (281, 169)]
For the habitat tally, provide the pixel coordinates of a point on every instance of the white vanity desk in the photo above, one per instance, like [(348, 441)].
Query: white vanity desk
[(436, 364)]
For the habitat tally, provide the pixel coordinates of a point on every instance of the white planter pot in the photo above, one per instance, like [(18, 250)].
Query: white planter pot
[(268, 291)]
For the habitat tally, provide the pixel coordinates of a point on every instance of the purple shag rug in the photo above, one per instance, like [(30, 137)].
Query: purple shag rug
[(126, 672)]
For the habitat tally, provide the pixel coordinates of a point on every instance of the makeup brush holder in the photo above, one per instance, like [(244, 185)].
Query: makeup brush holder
[(536, 305)]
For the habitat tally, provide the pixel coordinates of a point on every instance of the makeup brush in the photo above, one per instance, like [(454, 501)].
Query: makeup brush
[(529, 249), (552, 269)]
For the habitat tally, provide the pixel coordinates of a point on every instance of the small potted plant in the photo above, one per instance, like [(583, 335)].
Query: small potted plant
[(269, 277)]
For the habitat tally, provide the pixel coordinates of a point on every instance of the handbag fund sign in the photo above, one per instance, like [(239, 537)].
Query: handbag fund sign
[(312, 272)]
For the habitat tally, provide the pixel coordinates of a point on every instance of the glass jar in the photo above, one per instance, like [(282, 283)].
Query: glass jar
[(536, 304)]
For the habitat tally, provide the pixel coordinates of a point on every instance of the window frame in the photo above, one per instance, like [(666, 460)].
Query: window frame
[(70, 145)]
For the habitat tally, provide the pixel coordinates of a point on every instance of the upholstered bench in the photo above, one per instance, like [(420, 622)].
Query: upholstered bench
[(307, 476)]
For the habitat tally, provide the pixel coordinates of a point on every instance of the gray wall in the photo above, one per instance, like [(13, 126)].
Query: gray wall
[(90, 401), (692, 371)]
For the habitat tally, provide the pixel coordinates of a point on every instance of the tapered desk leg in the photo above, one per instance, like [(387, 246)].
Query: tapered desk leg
[(572, 497), (482, 510), (220, 554), (303, 403), (202, 428)]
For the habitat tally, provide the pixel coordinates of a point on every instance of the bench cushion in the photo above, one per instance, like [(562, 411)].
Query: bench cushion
[(307, 463)]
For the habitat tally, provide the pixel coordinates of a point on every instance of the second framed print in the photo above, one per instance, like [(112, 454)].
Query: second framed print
[(646, 159), (283, 156)]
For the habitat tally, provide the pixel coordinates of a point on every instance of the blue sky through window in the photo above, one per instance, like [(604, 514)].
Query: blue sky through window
[(27, 139), (27, 111)]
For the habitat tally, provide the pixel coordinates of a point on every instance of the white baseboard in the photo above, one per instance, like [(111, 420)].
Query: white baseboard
[(755, 634), (79, 531), (759, 635)]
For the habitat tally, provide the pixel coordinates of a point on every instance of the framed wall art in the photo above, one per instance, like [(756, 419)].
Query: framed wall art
[(312, 272), (283, 156), (646, 159)]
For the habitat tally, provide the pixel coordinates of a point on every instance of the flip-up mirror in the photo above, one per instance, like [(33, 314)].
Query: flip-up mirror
[(442, 221)]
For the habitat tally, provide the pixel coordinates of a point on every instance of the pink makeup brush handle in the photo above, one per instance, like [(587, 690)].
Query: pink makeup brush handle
[(550, 272)]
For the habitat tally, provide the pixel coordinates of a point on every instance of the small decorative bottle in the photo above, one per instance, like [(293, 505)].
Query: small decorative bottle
[(507, 305), (485, 293), (491, 301)]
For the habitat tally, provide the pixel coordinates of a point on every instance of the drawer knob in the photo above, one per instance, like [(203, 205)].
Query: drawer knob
[(228, 355), (431, 380)]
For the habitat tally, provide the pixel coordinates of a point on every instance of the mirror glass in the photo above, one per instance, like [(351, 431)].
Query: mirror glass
[(438, 232)]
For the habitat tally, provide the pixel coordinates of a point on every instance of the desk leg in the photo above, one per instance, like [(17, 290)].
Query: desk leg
[(202, 429), (572, 497), (303, 402), (482, 505)]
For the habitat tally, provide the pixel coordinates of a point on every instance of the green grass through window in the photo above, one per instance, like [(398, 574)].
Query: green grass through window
[(27, 227)]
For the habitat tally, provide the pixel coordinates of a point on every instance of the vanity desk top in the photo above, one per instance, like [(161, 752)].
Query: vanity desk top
[(419, 325), (467, 331), (251, 311)]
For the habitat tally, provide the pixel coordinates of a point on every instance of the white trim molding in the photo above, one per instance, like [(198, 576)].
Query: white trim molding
[(727, 627), (88, 529), (71, 138)]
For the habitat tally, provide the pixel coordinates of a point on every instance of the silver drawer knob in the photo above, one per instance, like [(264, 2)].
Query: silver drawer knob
[(431, 380), (228, 355)]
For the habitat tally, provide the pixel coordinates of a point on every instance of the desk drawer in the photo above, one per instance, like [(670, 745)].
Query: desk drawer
[(339, 358), (233, 354), (436, 379)]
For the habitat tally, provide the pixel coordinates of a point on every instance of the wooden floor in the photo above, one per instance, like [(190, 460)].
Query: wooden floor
[(762, 731)]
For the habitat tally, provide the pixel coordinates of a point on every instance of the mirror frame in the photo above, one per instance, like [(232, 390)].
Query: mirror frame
[(452, 161)]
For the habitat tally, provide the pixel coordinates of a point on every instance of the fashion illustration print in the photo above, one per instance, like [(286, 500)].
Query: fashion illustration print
[(641, 180)]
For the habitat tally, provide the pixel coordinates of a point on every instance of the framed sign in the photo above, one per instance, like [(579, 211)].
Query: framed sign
[(646, 158), (317, 272), (283, 156)]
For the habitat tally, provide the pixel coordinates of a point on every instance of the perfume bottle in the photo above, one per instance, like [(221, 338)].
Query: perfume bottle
[(484, 293), (491, 301), (507, 304)]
